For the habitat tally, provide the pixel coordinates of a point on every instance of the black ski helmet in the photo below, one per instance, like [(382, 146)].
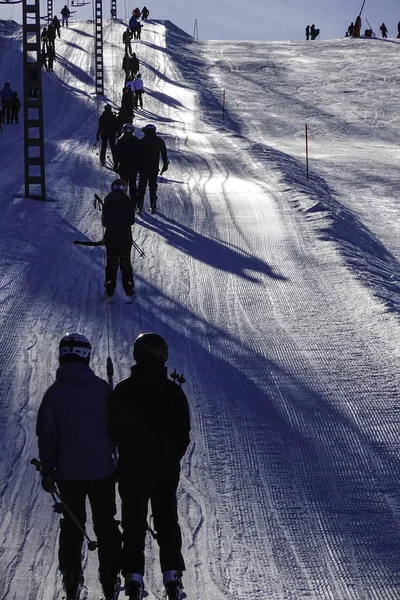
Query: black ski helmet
[(150, 346), (150, 128)]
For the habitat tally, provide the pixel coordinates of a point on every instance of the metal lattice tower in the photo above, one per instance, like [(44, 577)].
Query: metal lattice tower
[(99, 48), (50, 10), (35, 184), (113, 9)]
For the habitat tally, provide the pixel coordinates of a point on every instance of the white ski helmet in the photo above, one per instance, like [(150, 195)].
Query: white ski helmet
[(75, 343), (128, 128)]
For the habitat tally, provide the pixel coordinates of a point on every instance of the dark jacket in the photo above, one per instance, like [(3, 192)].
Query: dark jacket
[(151, 148), (118, 217), (126, 152), (72, 425), (134, 63), (149, 422), (107, 123)]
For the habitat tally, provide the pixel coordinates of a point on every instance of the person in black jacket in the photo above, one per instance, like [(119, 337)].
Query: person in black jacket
[(151, 148), (150, 425), (106, 131), (133, 65), (127, 102), (127, 159), (117, 218)]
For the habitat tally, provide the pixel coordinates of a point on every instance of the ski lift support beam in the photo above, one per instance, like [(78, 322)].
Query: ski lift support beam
[(99, 48), (35, 181), (113, 9), (49, 10)]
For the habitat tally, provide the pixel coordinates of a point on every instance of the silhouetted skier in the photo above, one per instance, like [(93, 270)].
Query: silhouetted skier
[(383, 30)]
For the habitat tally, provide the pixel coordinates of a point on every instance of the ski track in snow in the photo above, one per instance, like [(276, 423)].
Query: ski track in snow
[(279, 300)]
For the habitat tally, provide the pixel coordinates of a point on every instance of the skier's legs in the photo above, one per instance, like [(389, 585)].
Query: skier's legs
[(101, 494), (134, 502), (73, 494), (165, 514), (111, 141), (153, 187), (143, 179), (126, 267), (112, 267), (104, 139), (132, 180)]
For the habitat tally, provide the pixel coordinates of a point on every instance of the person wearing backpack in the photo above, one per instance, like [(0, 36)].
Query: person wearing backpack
[(150, 425)]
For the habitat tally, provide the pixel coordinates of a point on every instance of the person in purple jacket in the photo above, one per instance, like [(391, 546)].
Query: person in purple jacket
[(77, 456)]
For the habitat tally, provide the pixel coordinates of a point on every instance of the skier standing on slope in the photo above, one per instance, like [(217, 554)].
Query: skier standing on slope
[(127, 159), (384, 30), (150, 424), (117, 218), (106, 132), (6, 96), (134, 65), (145, 13), (77, 456), (65, 13), (126, 38), (151, 148), (138, 90)]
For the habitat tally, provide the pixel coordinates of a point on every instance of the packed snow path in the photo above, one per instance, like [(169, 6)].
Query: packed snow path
[(279, 300)]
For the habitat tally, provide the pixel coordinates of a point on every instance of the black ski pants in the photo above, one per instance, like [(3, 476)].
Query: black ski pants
[(135, 493), (7, 111), (138, 99), (130, 176), (110, 139), (119, 256), (147, 176), (101, 494)]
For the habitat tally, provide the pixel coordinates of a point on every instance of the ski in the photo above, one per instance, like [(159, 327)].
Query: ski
[(89, 242)]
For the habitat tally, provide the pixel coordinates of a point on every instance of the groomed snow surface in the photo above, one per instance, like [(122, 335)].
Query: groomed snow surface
[(279, 298)]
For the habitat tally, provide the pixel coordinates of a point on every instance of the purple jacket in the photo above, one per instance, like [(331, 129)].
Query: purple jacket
[(72, 425)]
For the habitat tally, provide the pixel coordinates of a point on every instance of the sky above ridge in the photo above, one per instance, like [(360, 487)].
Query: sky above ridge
[(258, 20)]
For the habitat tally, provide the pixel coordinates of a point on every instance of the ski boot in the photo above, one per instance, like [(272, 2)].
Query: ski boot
[(173, 584), (72, 583), (110, 583), (134, 586), (153, 208), (109, 289), (130, 289)]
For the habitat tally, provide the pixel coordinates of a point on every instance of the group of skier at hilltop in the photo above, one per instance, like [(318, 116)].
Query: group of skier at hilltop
[(353, 30), (81, 422)]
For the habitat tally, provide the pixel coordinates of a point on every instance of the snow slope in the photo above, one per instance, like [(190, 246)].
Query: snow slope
[(279, 299)]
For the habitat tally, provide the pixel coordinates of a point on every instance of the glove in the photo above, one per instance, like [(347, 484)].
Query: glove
[(48, 483)]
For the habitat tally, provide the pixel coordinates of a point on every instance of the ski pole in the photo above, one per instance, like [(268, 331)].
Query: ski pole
[(92, 544), (138, 248)]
